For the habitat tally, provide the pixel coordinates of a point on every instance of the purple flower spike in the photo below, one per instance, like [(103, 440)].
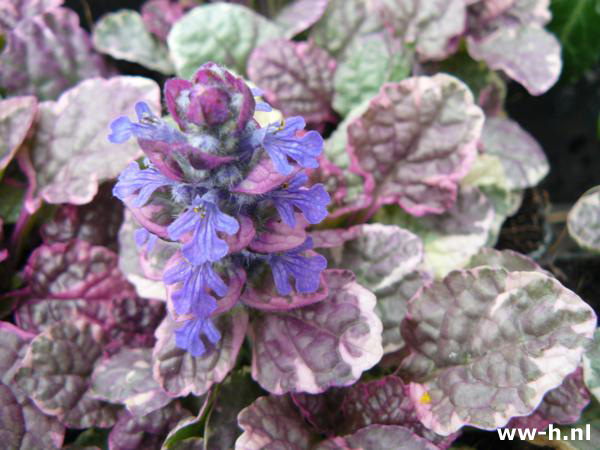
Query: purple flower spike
[(143, 181), (189, 337), (311, 201), (306, 270), (149, 127), (193, 297), (203, 219), (280, 142)]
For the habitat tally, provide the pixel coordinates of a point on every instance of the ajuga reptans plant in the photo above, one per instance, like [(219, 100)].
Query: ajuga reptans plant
[(195, 173)]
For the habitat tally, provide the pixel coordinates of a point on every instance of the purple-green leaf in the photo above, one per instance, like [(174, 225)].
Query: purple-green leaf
[(270, 422), (24, 425), (13, 11), (297, 78), (46, 54), (16, 118), (522, 158), (315, 347), (97, 222), (415, 141), (179, 373), (513, 40), (123, 35), (220, 32), (126, 378), (147, 432), (71, 152), (379, 255), (486, 345), (560, 406), (55, 374), (300, 15), (376, 437), (431, 27), (74, 270)]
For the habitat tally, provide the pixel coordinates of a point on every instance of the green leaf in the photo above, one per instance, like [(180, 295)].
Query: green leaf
[(223, 33), (576, 23), (123, 35), (12, 202)]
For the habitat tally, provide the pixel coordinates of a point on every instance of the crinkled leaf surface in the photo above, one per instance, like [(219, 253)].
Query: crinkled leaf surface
[(13, 11), (23, 425), (506, 259), (384, 402), (379, 255), (273, 421), (179, 373), (234, 394), (591, 366), (160, 15), (487, 344), (584, 220), (527, 53), (415, 141), (97, 222), (344, 182), (55, 374), (376, 437), (343, 21), (313, 348), (561, 405), (74, 270), (370, 61), (430, 26), (147, 432), (392, 303), (300, 15), (126, 378), (46, 54), (223, 33), (522, 158), (71, 152), (123, 35), (449, 239), (577, 27), (297, 78), (16, 118)]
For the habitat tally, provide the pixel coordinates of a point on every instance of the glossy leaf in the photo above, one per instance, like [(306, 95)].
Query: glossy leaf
[(223, 33), (487, 345), (375, 437), (297, 78), (70, 159), (122, 35)]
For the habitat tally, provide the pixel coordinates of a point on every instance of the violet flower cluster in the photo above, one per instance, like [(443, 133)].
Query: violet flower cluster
[(213, 183)]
